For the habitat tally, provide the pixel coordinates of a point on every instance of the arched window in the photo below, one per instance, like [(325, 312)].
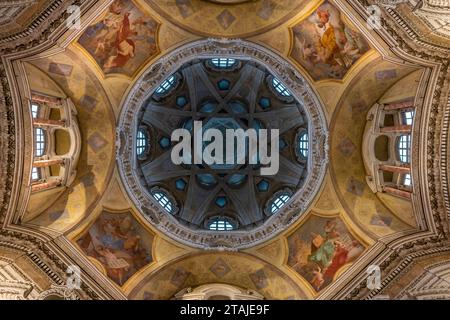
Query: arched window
[(223, 63), (407, 117), (407, 179), (141, 142), (303, 144), (220, 224), (35, 174), (39, 137), (280, 88), (279, 201), (404, 148), (166, 85), (34, 110), (163, 200)]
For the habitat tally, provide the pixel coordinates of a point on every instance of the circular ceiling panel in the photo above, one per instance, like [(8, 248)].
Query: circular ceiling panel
[(224, 150)]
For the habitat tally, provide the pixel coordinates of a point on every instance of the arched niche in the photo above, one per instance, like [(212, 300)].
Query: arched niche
[(381, 148)]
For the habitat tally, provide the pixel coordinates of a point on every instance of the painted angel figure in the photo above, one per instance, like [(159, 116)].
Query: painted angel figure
[(124, 46), (110, 26), (335, 44)]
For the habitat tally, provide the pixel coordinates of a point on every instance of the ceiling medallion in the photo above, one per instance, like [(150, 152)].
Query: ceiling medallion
[(231, 86)]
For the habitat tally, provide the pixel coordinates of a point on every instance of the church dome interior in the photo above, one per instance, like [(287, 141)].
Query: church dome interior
[(224, 149), (233, 194), (236, 193)]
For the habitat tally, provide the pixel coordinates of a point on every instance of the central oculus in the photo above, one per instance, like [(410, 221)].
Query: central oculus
[(222, 144)]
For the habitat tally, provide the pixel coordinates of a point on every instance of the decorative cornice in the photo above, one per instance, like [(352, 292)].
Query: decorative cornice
[(398, 263), (12, 9), (43, 258), (416, 33), (44, 23), (7, 142)]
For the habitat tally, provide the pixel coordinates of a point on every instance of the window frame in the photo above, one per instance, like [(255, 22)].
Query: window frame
[(283, 195), (168, 204), (404, 148), (39, 144), (408, 117), (302, 145), (280, 88), (35, 174), (223, 63), (141, 139), (275, 203), (34, 109), (225, 224), (167, 85), (407, 180)]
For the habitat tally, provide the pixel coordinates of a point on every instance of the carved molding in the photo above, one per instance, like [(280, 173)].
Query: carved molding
[(43, 258), (423, 36), (432, 284), (436, 14), (60, 291), (10, 10), (15, 290)]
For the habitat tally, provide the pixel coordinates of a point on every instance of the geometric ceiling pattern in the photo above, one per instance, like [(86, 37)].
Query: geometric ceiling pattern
[(233, 91), (237, 191), (363, 119)]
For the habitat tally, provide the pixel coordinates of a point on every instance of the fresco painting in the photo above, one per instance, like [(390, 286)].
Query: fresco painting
[(119, 243), (122, 40), (319, 248), (325, 45)]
